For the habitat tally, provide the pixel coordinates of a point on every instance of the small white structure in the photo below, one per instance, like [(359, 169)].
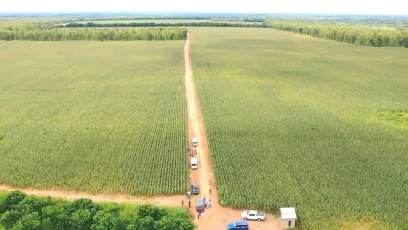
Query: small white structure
[(194, 163), (288, 216), (195, 142)]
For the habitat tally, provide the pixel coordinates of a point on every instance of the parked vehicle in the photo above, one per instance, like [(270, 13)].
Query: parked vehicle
[(200, 205), (253, 215), (239, 225), (195, 142), (195, 189), (194, 163)]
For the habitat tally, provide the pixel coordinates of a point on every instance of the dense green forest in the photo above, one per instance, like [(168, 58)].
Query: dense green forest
[(352, 34), (19, 211), (252, 19), (136, 18), (93, 34), (155, 24)]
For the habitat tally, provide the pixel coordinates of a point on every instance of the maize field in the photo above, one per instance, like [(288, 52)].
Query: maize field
[(92, 116), (290, 123)]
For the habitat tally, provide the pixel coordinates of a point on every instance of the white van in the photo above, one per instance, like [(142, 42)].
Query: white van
[(194, 163), (195, 142)]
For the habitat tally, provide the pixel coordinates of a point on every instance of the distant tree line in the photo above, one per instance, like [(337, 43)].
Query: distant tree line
[(254, 20), (135, 18), (394, 21), (350, 34), (21, 212), (93, 34), (154, 24)]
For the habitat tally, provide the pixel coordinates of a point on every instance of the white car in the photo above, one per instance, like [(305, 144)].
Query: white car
[(253, 215), (194, 141)]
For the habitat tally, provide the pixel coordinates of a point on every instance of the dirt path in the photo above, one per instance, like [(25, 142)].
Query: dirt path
[(216, 217), (171, 201)]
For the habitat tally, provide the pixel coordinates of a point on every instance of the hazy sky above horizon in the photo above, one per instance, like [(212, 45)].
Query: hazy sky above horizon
[(244, 6)]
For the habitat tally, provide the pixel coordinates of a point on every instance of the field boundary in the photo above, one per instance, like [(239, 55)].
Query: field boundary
[(100, 197)]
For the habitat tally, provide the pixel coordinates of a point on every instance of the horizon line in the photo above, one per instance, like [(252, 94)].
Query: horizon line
[(192, 12)]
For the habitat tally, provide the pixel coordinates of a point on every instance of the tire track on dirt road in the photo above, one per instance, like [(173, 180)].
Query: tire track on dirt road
[(217, 217)]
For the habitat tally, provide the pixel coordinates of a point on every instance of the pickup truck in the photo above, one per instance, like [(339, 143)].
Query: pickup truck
[(253, 215)]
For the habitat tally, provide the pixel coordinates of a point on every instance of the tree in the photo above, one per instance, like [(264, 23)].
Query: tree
[(145, 223), (10, 218), (83, 204), (151, 211), (55, 217), (11, 201), (33, 204), (109, 219), (30, 221), (81, 219), (174, 223)]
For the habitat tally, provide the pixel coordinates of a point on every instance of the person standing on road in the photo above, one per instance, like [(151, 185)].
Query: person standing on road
[(189, 204), (182, 203)]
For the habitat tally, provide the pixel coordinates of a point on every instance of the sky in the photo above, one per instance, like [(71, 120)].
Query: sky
[(399, 7)]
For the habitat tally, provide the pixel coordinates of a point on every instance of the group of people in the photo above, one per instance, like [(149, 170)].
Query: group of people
[(189, 203), (207, 204), (192, 151)]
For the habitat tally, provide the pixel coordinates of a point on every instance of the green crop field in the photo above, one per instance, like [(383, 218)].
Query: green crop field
[(310, 123), (93, 116)]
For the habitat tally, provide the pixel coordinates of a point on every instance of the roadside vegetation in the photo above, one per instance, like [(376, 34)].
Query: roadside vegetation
[(290, 123), (20, 211)]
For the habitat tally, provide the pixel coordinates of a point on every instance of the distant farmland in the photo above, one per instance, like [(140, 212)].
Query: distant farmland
[(93, 116), (291, 121)]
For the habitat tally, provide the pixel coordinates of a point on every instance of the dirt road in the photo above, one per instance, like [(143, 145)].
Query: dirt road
[(216, 217), (171, 201)]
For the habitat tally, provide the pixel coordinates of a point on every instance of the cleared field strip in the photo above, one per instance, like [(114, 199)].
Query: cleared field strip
[(93, 117)]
